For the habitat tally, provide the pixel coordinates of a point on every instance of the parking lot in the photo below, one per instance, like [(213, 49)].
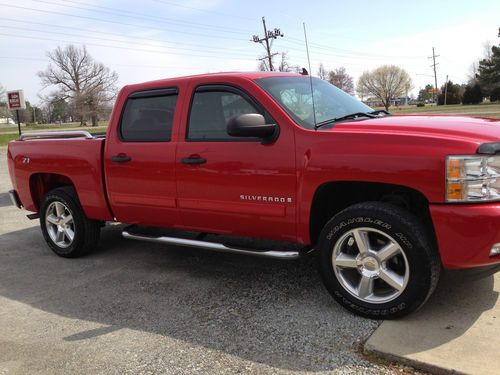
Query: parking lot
[(133, 307)]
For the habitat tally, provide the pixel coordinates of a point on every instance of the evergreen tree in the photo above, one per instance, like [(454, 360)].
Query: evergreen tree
[(453, 95), (489, 74), (472, 94)]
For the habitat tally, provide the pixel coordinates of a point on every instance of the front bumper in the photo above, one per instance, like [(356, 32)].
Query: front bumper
[(15, 199), (466, 233)]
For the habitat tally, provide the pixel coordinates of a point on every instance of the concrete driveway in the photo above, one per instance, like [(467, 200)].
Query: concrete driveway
[(457, 331)]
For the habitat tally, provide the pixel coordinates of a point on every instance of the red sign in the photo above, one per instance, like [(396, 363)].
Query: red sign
[(15, 99)]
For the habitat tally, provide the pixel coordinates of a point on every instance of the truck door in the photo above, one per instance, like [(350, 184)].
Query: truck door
[(139, 159), (233, 185)]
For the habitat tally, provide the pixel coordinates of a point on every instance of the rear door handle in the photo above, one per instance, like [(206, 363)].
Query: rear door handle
[(193, 159), (121, 158)]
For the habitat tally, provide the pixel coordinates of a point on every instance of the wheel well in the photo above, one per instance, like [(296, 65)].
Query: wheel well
[(332, 197), (42, 183)]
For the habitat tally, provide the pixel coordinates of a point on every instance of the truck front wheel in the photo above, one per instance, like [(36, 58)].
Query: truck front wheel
[(376, 260), (66, 229)]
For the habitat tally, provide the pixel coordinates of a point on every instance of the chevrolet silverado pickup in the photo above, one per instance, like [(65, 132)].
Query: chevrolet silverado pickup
[(276, 165)]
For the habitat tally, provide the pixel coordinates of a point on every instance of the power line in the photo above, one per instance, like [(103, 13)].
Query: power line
[(200, 47), (21, 58), (116, 47), (135, 15), (298, 41), (119, 41), (202, 10), (117, 22), (197, 34), (268, 35)]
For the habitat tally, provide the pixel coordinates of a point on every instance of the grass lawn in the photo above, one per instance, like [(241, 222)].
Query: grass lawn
[(5, 138), (478, 110)]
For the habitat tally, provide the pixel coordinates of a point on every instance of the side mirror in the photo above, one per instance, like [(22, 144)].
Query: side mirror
[(252, 125)]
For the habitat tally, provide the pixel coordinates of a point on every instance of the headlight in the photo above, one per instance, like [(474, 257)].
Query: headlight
[(472, 178)]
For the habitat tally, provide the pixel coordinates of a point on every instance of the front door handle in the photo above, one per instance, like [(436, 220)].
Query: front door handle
[(121, 158), (194, 159)]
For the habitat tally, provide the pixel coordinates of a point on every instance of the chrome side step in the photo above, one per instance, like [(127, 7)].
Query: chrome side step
[(213, 246)]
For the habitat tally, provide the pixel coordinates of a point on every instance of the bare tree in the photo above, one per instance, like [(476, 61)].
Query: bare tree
[(263, 65), (87, 83), (385, 83), (283, 64), (473, 71), (322, 72), (4, 111), (341, 79)]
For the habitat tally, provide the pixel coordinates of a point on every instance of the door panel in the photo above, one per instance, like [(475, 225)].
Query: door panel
[(244, 187), (140, 164)]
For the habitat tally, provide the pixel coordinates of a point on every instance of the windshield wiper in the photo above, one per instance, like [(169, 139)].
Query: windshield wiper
[(380, 111), (373, 114), (346, 117)]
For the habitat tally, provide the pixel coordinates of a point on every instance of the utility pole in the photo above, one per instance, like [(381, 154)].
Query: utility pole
[(268, 35), (434, 64), (446, 89)]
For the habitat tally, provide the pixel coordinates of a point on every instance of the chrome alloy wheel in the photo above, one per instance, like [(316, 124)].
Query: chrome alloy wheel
[(60, 225), (370, 265)]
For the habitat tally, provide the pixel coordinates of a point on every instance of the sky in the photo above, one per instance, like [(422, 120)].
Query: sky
[(152, 39)]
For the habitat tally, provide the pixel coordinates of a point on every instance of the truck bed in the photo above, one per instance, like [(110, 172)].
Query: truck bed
[(34, 163)]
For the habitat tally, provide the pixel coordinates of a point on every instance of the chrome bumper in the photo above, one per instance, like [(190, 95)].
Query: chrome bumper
[(15, 199)]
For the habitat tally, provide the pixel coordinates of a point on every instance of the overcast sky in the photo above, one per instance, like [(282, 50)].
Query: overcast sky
[(151, 39)]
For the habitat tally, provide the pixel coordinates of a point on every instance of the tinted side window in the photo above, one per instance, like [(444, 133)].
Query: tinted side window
[(148, 119), (210, 112)]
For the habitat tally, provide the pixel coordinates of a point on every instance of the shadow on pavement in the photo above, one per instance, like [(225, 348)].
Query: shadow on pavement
[(266, 311)]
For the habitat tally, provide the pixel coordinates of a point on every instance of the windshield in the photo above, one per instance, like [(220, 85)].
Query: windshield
[(293, 94)]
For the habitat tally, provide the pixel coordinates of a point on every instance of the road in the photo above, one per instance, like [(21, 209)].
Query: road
[(133, 307)]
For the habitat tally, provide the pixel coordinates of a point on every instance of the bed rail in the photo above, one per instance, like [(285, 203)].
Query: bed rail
[(56, 134)]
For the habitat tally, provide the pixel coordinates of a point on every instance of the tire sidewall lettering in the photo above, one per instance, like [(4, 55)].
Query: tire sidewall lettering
[(358, 220)]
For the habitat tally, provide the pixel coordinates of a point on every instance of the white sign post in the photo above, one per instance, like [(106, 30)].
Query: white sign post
[(15, 101)]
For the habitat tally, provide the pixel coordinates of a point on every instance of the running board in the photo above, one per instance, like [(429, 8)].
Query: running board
[(213, 246)]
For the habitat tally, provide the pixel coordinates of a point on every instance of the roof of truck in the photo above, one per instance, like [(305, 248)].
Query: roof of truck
[(222, 75)]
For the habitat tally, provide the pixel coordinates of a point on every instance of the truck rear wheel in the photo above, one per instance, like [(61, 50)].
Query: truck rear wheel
[(376, 260), (66, 229)]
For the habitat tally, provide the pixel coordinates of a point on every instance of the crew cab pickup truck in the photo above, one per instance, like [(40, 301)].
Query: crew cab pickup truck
[(276, 165)]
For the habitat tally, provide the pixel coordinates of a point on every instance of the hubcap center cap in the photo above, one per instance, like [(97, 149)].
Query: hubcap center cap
[(368, 265)]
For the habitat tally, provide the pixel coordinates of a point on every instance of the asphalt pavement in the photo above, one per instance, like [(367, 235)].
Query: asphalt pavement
[(142, 308)]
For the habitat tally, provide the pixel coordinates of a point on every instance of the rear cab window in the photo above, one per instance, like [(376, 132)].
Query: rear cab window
[(148, 116)]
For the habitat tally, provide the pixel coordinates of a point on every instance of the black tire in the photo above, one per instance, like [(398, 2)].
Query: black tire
[(86, 231), (415, 249)]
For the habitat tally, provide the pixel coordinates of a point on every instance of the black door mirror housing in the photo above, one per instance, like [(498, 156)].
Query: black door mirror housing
[(252, 125)]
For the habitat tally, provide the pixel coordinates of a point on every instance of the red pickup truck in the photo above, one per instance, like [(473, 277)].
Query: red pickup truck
[(276, 165)]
